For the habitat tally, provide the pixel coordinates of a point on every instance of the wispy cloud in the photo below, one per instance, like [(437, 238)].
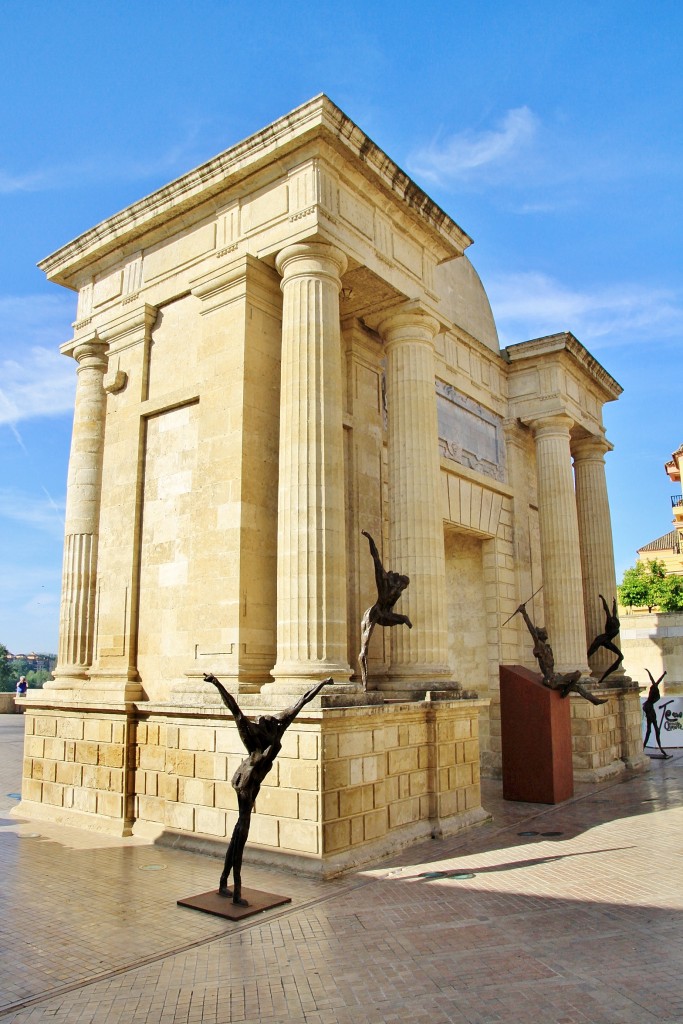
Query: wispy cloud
[(47, 515), (105, 167), (460, 156), (528, 305), (35, 380)]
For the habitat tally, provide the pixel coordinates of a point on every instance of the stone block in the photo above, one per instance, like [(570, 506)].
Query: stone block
[(150, 808), (354, 743), (70, 728), (180, 762), (210, 820), (225, 796), (308, 806), (211, 766), (110, 755), (180, 816), (196, 791), (96, 730), (34, 746), (417, 733), (110, 804), (330, 746), (264, 830), (403, 812), (357, 831), (375, 824), (308, 746), (281, 802), (335, 775), (418, 783), (152, 758), (32, 789), (298, 774), (53, 794), (350, 802), (402, 760), (44, 770), (355, 771), (301, 836), (86, 753), (54, 748), (69, 773), (196, 737), (45, 726), (336, 836), (330, 806), (84, 800)]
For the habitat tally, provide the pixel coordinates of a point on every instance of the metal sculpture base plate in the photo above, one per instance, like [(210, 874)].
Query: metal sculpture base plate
[(222, 906)]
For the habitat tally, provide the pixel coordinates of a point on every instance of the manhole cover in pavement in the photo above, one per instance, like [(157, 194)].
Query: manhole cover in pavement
[(552, 833), (14, 796), (152, 867), (28, 835)]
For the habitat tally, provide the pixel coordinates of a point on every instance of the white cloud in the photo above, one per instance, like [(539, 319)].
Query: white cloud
[(465, 153), (530, 305), (35, 380)]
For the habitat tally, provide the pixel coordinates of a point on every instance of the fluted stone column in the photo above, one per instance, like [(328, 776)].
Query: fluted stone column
[(79, 575), (416, 534), (595, 540), (311, 557), (560, 555)]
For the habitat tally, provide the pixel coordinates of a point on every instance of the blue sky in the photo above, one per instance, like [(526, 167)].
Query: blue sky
[(550, 132)]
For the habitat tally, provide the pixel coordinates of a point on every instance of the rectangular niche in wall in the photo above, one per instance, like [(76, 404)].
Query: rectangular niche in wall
[(168, 517)]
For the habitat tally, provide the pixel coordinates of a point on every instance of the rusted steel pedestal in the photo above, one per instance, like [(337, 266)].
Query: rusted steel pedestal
[(536, 739), (222, 906)]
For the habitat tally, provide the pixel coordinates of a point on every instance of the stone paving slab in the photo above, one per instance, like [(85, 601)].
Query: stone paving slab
[(580, 927)]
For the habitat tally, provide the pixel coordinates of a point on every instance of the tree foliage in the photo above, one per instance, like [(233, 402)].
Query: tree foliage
[(670, 594), (7, 683), (646, 585)]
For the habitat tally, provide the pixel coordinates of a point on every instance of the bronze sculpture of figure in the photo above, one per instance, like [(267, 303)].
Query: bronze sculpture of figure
[(605, 639), (263, 740), (650, 714), (390, 586), (543, 653)]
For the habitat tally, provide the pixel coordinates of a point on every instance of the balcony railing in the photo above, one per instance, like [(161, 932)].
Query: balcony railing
[(676, 499)]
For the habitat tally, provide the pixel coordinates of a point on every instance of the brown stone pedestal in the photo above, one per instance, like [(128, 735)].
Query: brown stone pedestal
[(536, 739)]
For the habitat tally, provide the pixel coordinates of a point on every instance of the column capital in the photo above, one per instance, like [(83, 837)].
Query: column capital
[(592, 448), (311, 259), (90, 353), (557, 423), (410, 322)]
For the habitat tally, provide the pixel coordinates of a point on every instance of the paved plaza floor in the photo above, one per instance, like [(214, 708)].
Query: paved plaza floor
[(567, 914)]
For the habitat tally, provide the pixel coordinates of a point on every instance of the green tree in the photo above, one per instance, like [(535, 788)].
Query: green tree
[(7, 682), (37, 678), (669, 594), (644, 585)]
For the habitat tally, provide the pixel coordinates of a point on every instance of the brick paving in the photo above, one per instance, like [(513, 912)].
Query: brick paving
[(582, 927)]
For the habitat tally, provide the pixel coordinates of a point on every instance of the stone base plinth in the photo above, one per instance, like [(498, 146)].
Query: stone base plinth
[(351, 784), (607, 738)]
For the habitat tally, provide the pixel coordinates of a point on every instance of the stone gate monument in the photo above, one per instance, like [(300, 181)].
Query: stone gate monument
[(282, 348)]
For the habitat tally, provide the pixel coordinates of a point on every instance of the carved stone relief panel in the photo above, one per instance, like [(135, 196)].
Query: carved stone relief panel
[(469, 434)]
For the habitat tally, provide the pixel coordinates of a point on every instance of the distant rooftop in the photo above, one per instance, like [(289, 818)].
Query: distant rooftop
[(668, 542)]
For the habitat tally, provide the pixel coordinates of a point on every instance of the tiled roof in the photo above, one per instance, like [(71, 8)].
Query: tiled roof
[(669, 542)]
